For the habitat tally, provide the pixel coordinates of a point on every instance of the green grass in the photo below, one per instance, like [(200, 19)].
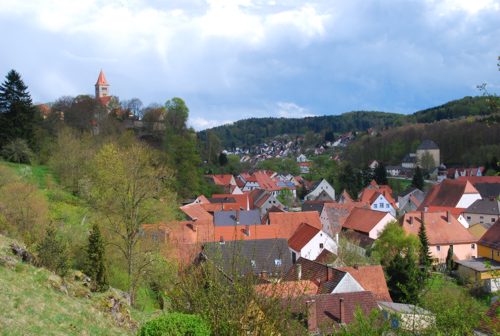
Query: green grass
[(29, 306)]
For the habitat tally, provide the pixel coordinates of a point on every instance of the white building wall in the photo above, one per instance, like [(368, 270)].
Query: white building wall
[(382, 204), (322, 186), (312, 249), (377, 230), (348, 285), (467, 199)]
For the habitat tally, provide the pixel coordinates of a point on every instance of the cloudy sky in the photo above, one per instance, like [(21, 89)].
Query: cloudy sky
[(234, 59)]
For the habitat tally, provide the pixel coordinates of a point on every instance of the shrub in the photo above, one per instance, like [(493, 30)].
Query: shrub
[(17, 151), (176, 324)]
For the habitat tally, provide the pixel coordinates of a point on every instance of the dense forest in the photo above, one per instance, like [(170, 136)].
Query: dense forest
[(253, 131)]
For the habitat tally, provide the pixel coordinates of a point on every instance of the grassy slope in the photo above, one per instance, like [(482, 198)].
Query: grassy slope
[(29, 306)]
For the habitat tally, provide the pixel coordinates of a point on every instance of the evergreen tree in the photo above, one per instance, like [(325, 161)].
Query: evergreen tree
[(17, 115), (425, 255), (418, 179), (53, 252), (95, 266), (449, 259), (349, 180), (403, 273), (380, 174), (222, 159)]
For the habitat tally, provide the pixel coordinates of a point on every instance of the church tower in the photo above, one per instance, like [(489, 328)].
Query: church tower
[(101, 87)]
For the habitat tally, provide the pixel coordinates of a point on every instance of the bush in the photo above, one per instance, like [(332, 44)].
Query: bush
[(176, 324), (17, 151)]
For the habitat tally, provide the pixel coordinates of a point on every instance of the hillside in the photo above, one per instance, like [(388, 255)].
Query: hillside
[(253, 131), (32, 304)]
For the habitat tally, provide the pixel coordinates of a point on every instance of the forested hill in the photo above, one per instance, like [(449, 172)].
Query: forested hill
[(257, 130)]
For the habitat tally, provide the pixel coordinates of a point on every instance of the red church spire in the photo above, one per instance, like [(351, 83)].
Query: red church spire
[(101, 80)]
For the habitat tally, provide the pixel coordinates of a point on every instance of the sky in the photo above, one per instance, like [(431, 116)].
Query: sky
[(236, 59)]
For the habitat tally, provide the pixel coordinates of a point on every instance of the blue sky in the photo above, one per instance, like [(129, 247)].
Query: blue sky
[(235, 59)]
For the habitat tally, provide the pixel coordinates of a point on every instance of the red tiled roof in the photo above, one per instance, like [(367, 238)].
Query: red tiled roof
[(372, 279), (196, 211), (101, 80), (265, 181), (364, 220), (439, 231), (456, 212), (491, 238), (480, 179), (222, 180), (241, 199), (295, 219), (448, 193), (287, 289), (302, 236), (370, 195), (212, 207)]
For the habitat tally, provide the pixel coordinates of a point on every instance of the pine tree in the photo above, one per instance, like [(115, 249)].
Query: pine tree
[(425, 255), (418, 179), (53, 252), (17, 115), (95, 266), (404, 278), (380, 174), (449, 259)]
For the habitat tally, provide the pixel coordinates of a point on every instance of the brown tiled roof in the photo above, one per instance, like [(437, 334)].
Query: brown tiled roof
[(370, 195), (302, 236), (364, 220), (439, 231), (337, 214), (287, 289), (370, 278), (325, 256), (492, 237), (328, 308), (222, 179), (447, 193), (327, 278)]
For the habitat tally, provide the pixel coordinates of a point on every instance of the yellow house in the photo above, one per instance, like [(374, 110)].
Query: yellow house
[(489, 244)]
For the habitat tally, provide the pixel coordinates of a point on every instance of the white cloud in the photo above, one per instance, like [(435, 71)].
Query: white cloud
[(200, 123), (292, 110)]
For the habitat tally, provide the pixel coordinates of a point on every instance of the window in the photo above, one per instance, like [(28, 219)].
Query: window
[(492, 220), (473, 246), (321, 245), (387, 205), (381, 205), (253, 263), (468, 218), (277, 262), (375, 206), (438, 248)]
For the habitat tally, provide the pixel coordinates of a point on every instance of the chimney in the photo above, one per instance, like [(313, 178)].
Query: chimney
[(329, 274), (448, 216), (426, 209), (221, 240), (422, 216), (410, 219), (299, 271), (194, 226), (312, 319), (356, 266), (342, 311), (246, 230)]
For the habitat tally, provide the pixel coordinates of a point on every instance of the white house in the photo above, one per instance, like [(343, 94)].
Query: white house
[(308, 242), (322, 187), (368, 222), (380, 203), (302, 158)]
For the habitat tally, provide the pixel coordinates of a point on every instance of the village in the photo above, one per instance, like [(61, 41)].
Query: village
[(297, 247)]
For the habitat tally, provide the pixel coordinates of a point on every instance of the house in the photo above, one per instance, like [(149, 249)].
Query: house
[(451, 193), (368, 222), (335, 214), (263, 201), (409, 161), (243, 200), (454, 173), (196, 211), (478, 230), (372, 279), (304, 167), (314, 205), (486, 210), (226, 181), (287, 289), (428, 147), (443, 230), (410, 199), (488, 186), (407, 316), (237, 218), (328, 312), (322, 190), (309, 242), (481, 272), (328, 279), (260, 257), (302, 158), (379, 198), (489, 244)]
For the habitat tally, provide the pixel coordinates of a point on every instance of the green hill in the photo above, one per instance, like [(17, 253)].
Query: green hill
[(253, 131), (32, 304)]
